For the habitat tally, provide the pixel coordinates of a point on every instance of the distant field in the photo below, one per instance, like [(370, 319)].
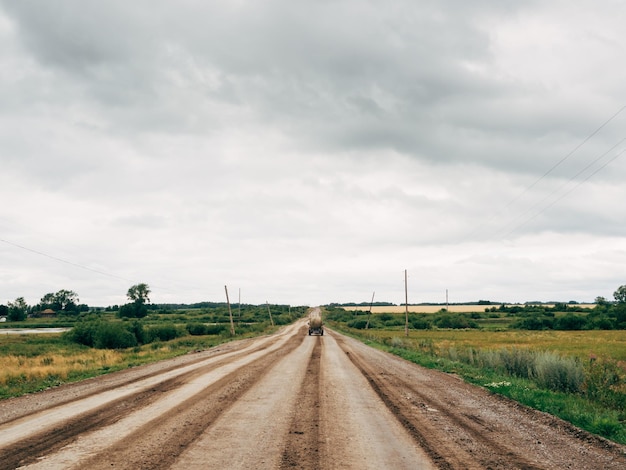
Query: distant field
[(436, 308), (581, 344)]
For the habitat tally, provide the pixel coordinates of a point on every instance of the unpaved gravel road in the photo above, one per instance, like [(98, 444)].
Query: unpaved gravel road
[(288, 401)]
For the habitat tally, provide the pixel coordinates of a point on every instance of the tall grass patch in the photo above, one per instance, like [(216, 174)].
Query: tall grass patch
[(22, 372), (561, 374)]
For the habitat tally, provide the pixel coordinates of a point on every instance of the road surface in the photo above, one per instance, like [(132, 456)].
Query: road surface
[(285, 401)]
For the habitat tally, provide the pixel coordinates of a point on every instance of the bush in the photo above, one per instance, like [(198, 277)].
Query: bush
[(396, 320), (218, 329), (454, 321), (133, 310), (113, 336), (518, 362), (420, 323), (200, 329), (196, 329), (136, 328), (560, 374), (534, 322), (605, 381), (162, 333), (340, 315), (570, 322), (83, 333), (357, 323), (282, 319)]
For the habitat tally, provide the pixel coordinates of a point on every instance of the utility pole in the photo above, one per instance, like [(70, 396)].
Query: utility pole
[(270, 312), (239, 321), (406, 305), (447, 306), (367, 325), (230, 313)]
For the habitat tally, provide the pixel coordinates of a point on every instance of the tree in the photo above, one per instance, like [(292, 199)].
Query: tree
[(620, 295), (139, 293), (620, 308), (601, 301), (48, 301), (64, 300), (17, 310)]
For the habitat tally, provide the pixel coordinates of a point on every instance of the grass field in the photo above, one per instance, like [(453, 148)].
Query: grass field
[(580, 344), (435, 308)]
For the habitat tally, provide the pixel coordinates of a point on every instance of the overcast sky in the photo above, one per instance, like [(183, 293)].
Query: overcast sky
[(307, 152)]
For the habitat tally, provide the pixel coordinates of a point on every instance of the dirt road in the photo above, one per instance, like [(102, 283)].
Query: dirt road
[(288, 401)]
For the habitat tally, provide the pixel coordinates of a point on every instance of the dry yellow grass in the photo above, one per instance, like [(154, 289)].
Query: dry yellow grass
[(56, 365), (434, 308)]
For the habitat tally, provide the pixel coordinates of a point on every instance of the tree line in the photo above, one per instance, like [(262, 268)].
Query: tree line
[(67, 302)]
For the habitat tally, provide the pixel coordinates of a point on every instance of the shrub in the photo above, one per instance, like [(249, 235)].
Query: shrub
[(113, 336), (196, 329), (357, 323), (164, 332), (133, 310), (560, 374), (454, 321), (136, 328), (534, 322), (219, 328), (605, 381), (570, 322), (83, 333), (340, 315), (518, 362), (420, 323), (281, 319)]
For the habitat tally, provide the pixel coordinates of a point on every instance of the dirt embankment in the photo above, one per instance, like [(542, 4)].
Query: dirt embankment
[(288, 401)]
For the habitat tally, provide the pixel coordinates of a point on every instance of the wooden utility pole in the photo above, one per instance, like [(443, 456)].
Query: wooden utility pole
[(230, 313), (367, 325), (239, 321), (270, 312), (406, 305), (447, 306)]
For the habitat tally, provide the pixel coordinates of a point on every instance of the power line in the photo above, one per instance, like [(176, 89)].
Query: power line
[(564, 158), (61, 260), (563, 195), (556, 165), (560, 188)]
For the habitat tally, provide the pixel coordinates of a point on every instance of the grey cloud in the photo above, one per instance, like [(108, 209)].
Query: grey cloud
[(274, 59), (348, 136)]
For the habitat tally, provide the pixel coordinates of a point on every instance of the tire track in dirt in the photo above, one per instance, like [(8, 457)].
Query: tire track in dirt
[(11, 409), (80, 390), (358, 430), (441, 455), (461, 427), (252, 433), (303, 442), (157, 444), (466, 454), (32, 448)]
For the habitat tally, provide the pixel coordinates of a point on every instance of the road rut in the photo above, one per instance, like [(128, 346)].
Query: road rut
[(285, 401)]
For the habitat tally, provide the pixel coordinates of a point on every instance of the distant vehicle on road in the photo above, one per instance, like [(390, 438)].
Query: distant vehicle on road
[(315, 323)]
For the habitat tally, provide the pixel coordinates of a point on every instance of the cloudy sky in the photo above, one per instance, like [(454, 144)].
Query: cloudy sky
[(307, 152)]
